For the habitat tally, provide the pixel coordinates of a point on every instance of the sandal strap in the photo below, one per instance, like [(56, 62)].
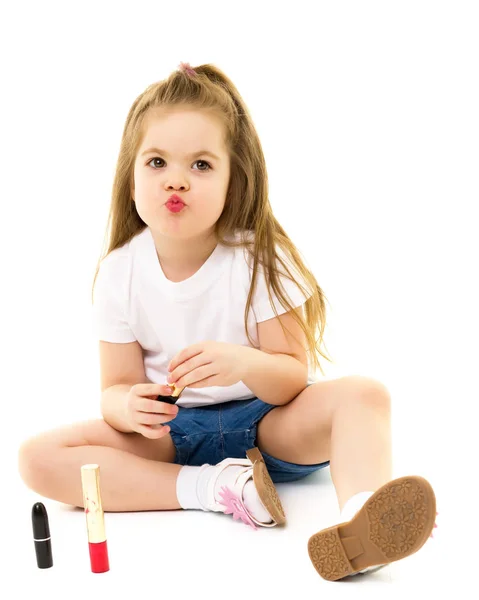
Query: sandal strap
[(241, 462), (233, 499), (238, 489), (236, 493)]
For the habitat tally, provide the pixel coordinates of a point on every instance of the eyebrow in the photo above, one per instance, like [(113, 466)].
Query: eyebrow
[(192, 155)]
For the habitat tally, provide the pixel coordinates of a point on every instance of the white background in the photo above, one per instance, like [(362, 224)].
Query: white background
[(368, 116)]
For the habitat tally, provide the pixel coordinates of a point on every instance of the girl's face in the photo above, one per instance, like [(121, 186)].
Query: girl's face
[(172, 159)]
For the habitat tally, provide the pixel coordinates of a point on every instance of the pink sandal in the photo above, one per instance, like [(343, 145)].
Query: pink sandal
[(232, 501)]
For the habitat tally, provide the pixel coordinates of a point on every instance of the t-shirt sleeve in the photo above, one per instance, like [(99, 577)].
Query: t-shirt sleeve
[(261, 303), (109, 320)]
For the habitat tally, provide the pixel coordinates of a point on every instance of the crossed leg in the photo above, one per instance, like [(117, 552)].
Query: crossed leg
[(137, 473)]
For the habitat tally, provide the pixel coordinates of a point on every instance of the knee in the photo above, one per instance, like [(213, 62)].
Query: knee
[(372, 393), (34, 459)]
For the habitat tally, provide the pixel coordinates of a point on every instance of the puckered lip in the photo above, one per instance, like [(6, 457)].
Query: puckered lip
[(175, 198)]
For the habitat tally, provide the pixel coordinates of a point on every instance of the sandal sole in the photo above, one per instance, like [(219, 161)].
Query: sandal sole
[(265, 487), (395, 522)]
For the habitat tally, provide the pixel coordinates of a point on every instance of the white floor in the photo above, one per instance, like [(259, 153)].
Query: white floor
[(192, 554)]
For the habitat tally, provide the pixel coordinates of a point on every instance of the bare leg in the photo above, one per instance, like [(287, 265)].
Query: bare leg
[(346, 421), (135, 472), (361, 445)]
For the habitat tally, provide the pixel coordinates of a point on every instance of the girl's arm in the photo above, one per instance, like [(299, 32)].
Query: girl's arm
[(113, 406), (275, 378)]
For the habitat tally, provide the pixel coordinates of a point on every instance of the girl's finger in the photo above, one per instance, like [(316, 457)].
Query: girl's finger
[(155, 406), (197, 375), (208, 381), (149, 389), (145, 418), (153, 433), (181, 371)]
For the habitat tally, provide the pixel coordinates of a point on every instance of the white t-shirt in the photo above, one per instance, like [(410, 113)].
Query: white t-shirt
[(134, 301)]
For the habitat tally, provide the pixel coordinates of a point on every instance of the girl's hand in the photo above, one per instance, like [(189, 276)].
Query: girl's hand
[(208, 363), (145, 414)]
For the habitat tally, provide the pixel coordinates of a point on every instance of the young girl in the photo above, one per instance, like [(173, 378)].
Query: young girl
[(201, 288)]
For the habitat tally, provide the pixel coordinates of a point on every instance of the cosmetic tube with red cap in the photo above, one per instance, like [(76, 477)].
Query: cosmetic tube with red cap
[(95, 521)]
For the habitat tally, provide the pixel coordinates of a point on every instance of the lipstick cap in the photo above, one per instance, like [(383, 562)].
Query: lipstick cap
[(90, 477), (41, 536)]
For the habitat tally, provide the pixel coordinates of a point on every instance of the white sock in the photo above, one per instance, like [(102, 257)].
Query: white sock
[(350, 509), (186, 487), (353, 505), (192, 487)]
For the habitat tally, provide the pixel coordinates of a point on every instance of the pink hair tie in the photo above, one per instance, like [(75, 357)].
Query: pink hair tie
[(187, 68)]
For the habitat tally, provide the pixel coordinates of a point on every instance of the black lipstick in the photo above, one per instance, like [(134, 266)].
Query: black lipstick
[(41, 536)]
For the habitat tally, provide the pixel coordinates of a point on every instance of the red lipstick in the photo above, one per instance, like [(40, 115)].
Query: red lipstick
[(95, 521)]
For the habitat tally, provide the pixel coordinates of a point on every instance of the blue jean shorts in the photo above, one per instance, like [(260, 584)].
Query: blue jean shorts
[(209, 434)]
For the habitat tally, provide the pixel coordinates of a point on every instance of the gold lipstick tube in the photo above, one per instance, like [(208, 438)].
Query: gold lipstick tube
[(176, 391), (173, 397), (90, 476)]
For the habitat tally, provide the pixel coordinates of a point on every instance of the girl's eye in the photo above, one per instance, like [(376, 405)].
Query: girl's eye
[(198, 161)]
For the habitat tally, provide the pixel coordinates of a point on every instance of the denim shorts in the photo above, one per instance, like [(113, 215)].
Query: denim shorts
[(209, 434)]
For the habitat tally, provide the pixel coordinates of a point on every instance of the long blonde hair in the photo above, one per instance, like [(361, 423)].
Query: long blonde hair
[(247, 205)]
